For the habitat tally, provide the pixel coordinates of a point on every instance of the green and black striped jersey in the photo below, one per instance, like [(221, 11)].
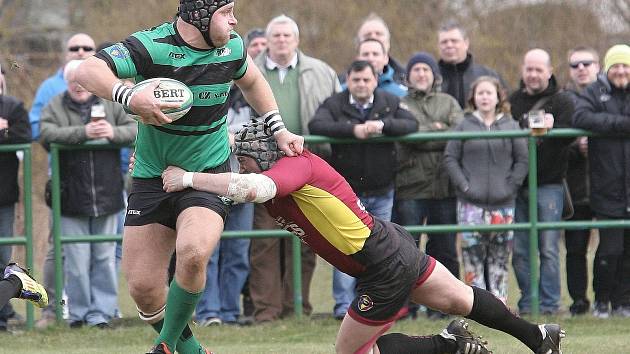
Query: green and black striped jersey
[(198, 140)]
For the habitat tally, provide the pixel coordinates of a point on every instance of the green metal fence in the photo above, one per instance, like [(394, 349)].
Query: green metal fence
[(533, 225), (27, 239)]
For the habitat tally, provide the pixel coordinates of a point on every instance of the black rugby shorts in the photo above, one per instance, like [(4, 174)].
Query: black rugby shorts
[(148, 203), (384, 288)]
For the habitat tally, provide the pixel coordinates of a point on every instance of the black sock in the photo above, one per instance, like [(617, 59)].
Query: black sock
[(9, 288), (491, 312), (398, 343), (186, 333)]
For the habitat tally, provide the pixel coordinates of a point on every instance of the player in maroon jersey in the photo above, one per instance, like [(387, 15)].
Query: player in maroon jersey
[(309, 198)]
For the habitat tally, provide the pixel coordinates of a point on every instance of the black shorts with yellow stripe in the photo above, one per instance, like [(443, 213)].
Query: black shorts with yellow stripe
[(148, 203), (384, 288)]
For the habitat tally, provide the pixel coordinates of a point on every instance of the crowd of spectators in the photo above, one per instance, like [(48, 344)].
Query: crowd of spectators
[(466, 182)]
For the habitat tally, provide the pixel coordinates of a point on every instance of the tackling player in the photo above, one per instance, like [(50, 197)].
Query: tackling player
[(310, 199), (201, 50)]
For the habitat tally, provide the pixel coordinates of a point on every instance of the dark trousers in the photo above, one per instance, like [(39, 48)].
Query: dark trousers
[(441, 246), (576, 242), (271, 272), (611, 271)]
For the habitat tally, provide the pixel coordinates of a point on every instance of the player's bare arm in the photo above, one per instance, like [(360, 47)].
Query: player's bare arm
[(241, 188), (95, 76), (258, 94)]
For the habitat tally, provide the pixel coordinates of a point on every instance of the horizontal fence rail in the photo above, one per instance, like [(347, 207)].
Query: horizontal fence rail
[(533, 226)]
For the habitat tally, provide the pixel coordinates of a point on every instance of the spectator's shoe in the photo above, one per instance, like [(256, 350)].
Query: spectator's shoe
[(466, 341), (211, 321), (579, 307), (552, 334), (601, 310), (622, 311), (31, 290)]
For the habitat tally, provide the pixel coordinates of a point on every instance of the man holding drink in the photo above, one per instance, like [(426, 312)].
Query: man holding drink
[(540, 105)]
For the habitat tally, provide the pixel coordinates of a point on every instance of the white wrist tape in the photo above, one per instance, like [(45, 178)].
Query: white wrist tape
[(122, 94), (251, 187), (273, 121), (187, 179)]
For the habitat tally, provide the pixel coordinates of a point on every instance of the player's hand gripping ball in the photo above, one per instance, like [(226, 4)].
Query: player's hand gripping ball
[(168, 91)]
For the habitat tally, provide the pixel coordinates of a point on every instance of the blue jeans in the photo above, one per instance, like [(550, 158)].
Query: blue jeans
[(550, 204), (7, 214), (227, 269), (90, 270), (344, 285)]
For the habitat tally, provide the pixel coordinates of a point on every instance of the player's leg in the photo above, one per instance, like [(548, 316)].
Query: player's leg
[(358, 337), (443, 291), (198, 231), (17, 283)]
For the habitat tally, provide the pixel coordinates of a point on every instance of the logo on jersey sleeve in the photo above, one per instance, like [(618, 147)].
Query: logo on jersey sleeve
[(365, 303), (118, 51), (224, 52)]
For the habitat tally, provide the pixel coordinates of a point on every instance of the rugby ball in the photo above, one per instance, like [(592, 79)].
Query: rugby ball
[(167, 91)]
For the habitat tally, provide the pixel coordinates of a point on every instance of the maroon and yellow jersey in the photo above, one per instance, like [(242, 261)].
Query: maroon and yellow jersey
[(315, 203)]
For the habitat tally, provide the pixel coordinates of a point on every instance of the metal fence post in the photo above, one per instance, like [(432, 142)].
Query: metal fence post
[(56, 211), (297, 276), (533, 221), (28, 222)]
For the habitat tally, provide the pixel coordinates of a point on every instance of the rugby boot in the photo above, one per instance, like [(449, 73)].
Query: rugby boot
[(552, 334), (31, 290), (466, 341), (163, 349)]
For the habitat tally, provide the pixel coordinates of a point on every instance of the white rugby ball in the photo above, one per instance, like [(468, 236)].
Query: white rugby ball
[(168, 91)]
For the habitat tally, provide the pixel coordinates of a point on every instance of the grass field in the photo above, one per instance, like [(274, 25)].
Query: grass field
[(316, 335)]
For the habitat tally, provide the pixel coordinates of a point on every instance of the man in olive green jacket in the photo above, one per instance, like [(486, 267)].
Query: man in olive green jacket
[(422, 185)]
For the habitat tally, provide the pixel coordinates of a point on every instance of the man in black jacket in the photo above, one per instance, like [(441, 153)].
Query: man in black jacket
[(456, 64), (361, 112), (583, 69), (14, 129), (603, 108), (539, 91)]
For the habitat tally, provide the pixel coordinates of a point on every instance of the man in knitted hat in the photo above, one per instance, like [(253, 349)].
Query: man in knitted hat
[(200, 49), (422, 187), (603, 108)]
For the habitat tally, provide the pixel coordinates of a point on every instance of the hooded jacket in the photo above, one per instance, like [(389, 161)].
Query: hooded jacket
[(457, 78), (552, 153), (487, 172), (91, 182), (603, 108), (387, 82)]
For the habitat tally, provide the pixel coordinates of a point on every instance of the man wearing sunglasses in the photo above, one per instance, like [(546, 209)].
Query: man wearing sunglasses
[(78, 46), (583, 69)]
